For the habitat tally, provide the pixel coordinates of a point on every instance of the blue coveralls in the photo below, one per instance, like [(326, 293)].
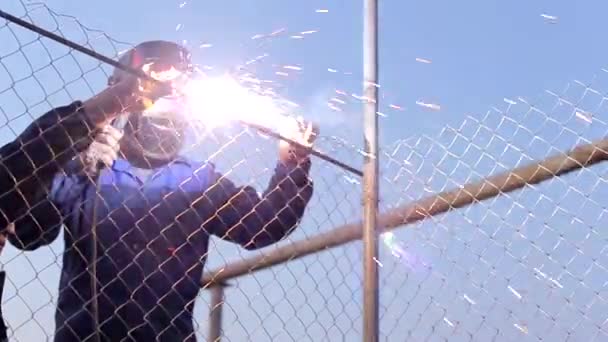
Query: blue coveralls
[(152, 237)]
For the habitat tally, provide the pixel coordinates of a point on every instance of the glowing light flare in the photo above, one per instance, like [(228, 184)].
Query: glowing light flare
[(411, 261), (218, 101)]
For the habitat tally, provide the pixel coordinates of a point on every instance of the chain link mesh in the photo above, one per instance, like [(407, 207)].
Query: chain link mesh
[(529, 264)]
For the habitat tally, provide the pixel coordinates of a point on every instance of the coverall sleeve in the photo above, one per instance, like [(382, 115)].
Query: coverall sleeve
[(253, 221), (31, 174)]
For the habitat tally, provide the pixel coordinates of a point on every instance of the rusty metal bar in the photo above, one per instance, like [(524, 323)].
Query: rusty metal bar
[(560, 164)]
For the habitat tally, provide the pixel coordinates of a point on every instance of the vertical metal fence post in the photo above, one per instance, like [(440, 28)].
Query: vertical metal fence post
[(215, 312), (370, 171)]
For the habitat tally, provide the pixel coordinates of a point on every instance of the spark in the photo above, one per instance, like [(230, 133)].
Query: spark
[(335, 99), (183, 4), (557, 283), (509, 101), (378, 262), (365, 154), (423, 60), (205, 45), (257, 36), (446, 320), (351, 180), (515, 293), (381, 114), (292, 67), (322, 11), (334, 107), (372, 84), (394, 106), (549, 18), (281, 73), (309, 32), (332, 70), (296, 37), (277, 32), (583, 116), (431, 106), (468, 299), (341, 92), (521, 328), (178, 27)]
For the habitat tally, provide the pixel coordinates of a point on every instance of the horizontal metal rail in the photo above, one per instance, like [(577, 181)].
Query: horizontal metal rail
[(579, 157)]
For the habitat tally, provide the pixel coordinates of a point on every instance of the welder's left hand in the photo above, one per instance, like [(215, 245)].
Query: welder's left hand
[(4, 235), (301, 132)]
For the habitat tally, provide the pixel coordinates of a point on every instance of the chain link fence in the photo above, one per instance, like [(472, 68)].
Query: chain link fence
[(527, 264)]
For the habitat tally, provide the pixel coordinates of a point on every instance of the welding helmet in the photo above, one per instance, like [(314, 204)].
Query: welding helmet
[(155, 137)]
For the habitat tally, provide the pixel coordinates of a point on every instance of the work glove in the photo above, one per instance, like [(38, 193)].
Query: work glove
[(300, 131), (102, 152)]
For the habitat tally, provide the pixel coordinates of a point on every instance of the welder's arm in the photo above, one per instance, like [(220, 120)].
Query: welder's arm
[(41, 224), (255, 221), (29, 164)]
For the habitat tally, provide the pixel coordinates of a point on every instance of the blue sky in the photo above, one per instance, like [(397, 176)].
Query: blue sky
[(495, 266)]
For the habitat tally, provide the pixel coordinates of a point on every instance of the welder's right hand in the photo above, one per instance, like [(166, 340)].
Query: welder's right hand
[(102, 152)]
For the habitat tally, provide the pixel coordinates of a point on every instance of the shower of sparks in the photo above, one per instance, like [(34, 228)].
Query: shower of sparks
[(423, 60), (217, 101), (549, 18), (431, 106), (322, 11)]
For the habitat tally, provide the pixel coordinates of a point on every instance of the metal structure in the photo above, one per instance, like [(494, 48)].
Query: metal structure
[(370, 172), (502, 219)]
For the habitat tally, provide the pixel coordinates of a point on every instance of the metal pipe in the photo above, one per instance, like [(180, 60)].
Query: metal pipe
[(140, 73), (370, 172), (554, 166), (215, 312)]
